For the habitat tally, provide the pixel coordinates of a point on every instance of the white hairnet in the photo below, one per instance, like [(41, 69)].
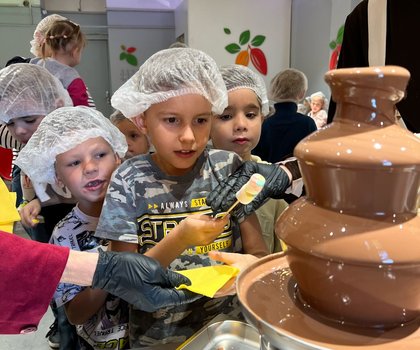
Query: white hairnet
[(40, 32), (59, 132), (28, 89), (237, 76), (170, 73)]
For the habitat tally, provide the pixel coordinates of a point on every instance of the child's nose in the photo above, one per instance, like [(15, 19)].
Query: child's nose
[(19, 130), (187, 134), (240, 122), (91, 166)]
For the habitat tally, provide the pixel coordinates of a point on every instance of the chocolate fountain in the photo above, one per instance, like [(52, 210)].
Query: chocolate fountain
[(351, 274)]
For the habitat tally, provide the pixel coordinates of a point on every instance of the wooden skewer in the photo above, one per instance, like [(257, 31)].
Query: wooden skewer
[(230, 209)]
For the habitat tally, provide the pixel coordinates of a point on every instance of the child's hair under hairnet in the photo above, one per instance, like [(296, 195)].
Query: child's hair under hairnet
[(40, 32), (28, 90), (237, 76), (60, 131), (170, 73)]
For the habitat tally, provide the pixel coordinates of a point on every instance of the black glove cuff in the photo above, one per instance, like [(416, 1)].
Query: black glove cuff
[(293, 167), (102, 267)]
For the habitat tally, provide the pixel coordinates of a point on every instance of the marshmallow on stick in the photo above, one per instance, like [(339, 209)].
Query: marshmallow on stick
[(249, 191)]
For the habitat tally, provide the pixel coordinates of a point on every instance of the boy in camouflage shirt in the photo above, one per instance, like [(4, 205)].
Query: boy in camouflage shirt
[(172, 99)]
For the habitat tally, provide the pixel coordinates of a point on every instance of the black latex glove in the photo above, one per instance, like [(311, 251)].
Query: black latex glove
[(140, 280), (276, 182)]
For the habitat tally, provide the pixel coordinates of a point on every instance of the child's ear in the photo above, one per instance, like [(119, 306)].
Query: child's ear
[(58, 181), (140, 122), (117, 159)]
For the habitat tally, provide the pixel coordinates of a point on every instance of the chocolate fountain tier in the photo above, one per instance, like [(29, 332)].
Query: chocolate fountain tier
[(270, 300), (359, 169)]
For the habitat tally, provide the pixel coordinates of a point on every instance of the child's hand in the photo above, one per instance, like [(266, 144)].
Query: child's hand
[(201, 229), (240, 261), (29, 212)]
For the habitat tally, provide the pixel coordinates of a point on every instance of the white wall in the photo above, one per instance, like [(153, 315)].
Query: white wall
[(147, 31), (271, 18), (314, 25)]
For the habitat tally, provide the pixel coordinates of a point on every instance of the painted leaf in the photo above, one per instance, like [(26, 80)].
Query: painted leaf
[(242, 58), (233, 48), (122, 47), (123, 56), (334, 57), (340, 34), (131, 59), (131, 49), (226, 30), (244, 37), (258, 40), (332, 45), (259, 61)]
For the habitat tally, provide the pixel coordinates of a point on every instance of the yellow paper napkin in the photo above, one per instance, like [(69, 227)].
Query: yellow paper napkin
[(8, 211), (209, 279)]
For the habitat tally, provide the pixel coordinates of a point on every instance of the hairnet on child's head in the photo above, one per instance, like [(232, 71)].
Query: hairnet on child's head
[(170, 73), (40, 32), (237, 76), (28, 90), (319, 95), (60, 131)]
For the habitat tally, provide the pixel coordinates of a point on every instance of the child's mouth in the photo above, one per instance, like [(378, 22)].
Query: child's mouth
[(185, 154), (94, 185)]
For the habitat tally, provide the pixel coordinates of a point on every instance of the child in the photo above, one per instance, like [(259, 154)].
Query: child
[(40, 33), (80, 148), (238, 129), (136, 141), (318, 109), (61, 52), (28, 93), (172, 99), (282, 131)]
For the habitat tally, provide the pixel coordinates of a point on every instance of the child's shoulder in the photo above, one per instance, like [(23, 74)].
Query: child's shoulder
[(220, 159), (222, 155)]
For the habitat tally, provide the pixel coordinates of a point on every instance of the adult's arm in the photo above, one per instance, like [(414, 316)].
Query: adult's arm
[(30, 272)]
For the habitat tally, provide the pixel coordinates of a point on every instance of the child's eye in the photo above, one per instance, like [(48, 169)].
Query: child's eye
[(225, 117), (171, 120), (101, 154), (201, 120), (134, 136), (73, 164), (251, 115), (30, 121)]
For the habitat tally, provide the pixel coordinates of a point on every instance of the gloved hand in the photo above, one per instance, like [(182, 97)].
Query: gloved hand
[(140, 281), (276, 182)]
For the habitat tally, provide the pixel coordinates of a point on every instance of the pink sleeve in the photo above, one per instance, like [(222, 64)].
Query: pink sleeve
[(29, 274), (78, 92)]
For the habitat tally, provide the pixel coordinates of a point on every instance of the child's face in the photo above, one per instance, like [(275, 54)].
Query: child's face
[(238, 129), (316, 104), (22, 128), (136, 140), (86, 171), (179, 129)]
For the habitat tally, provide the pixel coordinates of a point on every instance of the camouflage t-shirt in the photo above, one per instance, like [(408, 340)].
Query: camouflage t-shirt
[(142, 206)]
